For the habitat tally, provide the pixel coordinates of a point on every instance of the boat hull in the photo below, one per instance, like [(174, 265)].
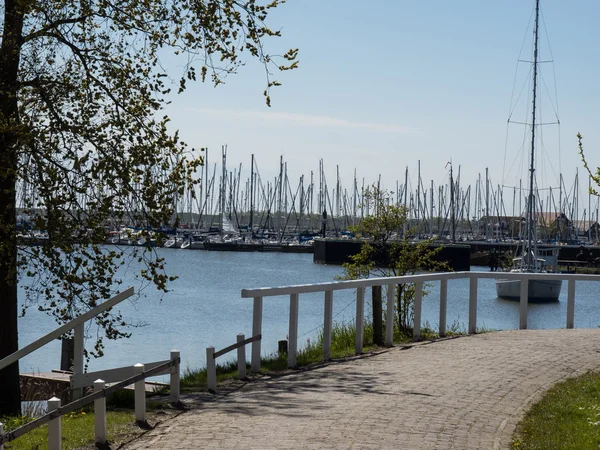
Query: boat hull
[(537, 290)]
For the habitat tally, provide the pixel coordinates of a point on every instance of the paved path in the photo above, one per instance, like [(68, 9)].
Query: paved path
[(463, 393)]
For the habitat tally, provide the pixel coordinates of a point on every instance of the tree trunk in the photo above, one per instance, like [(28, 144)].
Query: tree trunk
[(377, 315), (10, 394)]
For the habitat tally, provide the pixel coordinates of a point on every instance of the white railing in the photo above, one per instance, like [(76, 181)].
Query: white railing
[(79, 335), (79, 379), (136, 376), (211, 356), (391, 283)]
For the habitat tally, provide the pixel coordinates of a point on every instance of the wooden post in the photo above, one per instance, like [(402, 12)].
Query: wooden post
[(417, 313), (360, 319), (389, 320), (211, 369), (241, 357), (256, 330), (293, 331), (523, 303), (327, 325), (140, 395), (174, 378), (443, 306), (100, 414), (79, 347), (54, 426), (571, 304), (377, 315), (472, 305)]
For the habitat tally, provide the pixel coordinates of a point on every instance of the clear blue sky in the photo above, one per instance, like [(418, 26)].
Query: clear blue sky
[(385, 83)]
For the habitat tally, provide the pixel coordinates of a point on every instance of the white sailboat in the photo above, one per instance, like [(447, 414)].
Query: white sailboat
[(531, 260)]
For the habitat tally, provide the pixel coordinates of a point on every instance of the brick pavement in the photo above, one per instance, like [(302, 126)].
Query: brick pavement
[(462, 393)]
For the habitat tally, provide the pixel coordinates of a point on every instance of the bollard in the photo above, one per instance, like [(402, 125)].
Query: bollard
[(174, 381), (54, 431), (211, 369), (100, 414), (140, 395), (241, 355)]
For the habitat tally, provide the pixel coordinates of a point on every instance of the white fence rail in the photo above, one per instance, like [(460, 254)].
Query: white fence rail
[(78, 324), (138, 373), (391, 283)]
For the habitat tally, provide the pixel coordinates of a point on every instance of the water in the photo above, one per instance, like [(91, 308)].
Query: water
[(204, 308)]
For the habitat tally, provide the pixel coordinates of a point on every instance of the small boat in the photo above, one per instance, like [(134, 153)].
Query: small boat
[(537, 290), (532, 260)]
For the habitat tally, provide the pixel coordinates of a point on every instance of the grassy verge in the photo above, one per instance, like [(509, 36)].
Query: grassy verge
[(78, 426), (567, 417), (342, 345), (77, 430)]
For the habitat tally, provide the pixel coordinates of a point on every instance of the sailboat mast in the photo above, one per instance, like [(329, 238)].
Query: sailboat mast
[(530, 218)]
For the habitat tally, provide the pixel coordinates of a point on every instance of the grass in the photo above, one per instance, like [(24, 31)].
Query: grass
[(343, 337), (77, 430), (567, 417), (78, 427)]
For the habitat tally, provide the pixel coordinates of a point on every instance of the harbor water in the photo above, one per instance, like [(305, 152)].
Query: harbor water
[(204, 307)]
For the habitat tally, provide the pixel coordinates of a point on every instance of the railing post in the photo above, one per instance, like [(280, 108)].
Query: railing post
[(256, 330), (443, 306), (360, 319), (293, 331), (241, 357), (78, 345), (1, 433), (417, 313), (571, 304), (327, 325), (211, 369), (140, 395), (54, 430), (523, 303), (100, 414), (389, 319), (472, 305), (174, 378)]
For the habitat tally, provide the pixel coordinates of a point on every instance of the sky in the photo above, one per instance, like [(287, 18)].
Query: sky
[(386, 84)]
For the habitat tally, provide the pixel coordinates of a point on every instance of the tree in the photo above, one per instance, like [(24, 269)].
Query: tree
[(594, 176), (83, 143), (387, 251)]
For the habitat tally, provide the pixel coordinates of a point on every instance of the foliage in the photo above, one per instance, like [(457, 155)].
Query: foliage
[(567, 417), (85, 147), (388, 252), (594, 176)]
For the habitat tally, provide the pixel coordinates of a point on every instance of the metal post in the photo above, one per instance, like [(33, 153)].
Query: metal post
[(100, 414), (327, 325), (256, 330), (417, 314), (524, 298), (293, 331), (389, 319), (174, 378), (241, 357), (54, 430), (443, 306), (140, 395), (360, 318), (211, 369), (472, 305), (79, 347), (571, 304)]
